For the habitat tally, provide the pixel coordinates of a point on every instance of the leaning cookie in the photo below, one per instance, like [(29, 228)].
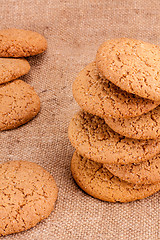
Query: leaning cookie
[(21, 43), (132, 65), (147, 172), (146, 126), (98, 182), (101, 97), (11, 69), (94, 139), (27, 195), (19, 103)]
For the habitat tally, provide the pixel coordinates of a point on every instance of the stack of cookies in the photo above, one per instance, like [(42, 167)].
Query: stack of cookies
[(19, 103), (117, 132)]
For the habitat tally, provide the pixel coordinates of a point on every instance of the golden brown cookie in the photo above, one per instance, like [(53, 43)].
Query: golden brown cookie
[(132, 65), (100, 97), (21, 43), (94, 139), (146, 126), (98, 182), (27, 195), (19, 103), (11, 69), (147, 172)]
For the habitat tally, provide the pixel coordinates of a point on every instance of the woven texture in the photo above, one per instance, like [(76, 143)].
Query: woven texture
[(74, 30)]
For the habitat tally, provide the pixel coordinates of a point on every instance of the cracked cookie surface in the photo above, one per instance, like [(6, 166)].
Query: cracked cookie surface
[(12, 68), (98, 182), (27, 195), (147, 172), (146, 126), (101, 97), (21, 43), (94, 139), (132, 65), (19, 103)]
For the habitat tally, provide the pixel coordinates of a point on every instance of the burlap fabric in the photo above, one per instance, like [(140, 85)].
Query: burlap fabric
[(74, 30)]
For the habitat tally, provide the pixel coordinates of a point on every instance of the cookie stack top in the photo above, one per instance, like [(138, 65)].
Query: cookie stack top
[(118, 128), (132, 65), (21, 43)]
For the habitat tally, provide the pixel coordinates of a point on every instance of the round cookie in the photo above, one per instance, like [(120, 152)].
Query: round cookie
[(27, 195), (21, 43), (94, 139), (147, 172), (98, 182), (100, 97), (146, 126), (12, 68), (132, 65), (19, 103)]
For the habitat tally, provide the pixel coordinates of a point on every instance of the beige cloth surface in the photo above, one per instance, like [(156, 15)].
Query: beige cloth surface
[(74, 30)]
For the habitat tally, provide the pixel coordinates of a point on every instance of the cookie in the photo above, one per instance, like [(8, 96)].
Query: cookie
[(12, 68), (21, 43), (132, 65), (146, 126), (147, 172), (100, 97), (94, 139), (98, 182), (19, 103), (27, 195)]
